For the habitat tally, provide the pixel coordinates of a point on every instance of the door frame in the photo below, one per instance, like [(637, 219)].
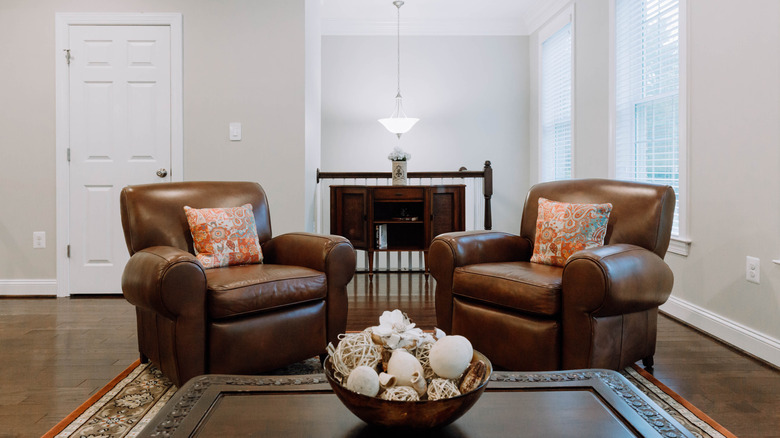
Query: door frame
[(62, 23)]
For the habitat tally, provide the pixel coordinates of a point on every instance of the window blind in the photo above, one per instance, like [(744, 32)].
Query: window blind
[(556, 106), (647, 84)]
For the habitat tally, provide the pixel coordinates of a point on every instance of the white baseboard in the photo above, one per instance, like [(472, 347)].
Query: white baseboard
[(743, 338), (22, 287)]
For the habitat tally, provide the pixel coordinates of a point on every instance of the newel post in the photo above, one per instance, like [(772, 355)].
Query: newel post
[(487, 190)]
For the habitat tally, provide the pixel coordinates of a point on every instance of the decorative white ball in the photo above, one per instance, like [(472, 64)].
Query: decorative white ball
[(364, 380), (450, 356), (403, 365)]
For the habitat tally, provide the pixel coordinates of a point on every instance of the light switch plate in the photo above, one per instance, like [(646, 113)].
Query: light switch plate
[(235, 131)]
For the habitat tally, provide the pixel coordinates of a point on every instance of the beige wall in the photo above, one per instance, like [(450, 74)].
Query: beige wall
[(734, 159), (734, 132), (313, 99), (243, 61)]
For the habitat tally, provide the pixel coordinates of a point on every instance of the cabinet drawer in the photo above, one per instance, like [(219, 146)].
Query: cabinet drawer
[(399, 193)]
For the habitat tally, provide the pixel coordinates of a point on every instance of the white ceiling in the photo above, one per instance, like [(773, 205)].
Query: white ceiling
[(437, 17)]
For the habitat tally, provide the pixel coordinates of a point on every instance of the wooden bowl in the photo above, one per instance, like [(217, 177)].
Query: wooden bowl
[(423, 414)]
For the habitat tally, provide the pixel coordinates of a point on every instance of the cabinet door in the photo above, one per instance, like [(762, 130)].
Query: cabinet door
[(349, 214), (447, 210)]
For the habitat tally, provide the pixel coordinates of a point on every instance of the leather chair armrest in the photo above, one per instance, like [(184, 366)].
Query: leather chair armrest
[(333, 255), (615, 279), (310, 251), (166, 280), (472, 247), (450, 250), (608, 294)]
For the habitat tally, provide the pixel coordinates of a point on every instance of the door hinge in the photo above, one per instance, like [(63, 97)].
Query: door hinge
[(68, 155), (68, 250), (67, 55)]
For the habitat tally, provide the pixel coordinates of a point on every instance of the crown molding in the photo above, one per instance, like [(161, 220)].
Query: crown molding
[(493, 27), (538, 16)]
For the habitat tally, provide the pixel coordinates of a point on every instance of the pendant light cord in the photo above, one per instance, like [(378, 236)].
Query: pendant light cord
[(398, 123), (398, 4)]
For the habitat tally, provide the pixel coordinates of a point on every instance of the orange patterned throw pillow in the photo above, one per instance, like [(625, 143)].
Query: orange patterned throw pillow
[(224, 236), (563, 229)]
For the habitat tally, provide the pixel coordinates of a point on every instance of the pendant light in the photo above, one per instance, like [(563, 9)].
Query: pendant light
[(398, 123)]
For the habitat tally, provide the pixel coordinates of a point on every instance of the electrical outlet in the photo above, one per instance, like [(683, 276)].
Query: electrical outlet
[(753, 270), (39, 239)]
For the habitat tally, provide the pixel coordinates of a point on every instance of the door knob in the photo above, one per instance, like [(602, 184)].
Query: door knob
[(162, 173)]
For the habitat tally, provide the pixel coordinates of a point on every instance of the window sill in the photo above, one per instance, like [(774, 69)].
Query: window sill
[(679, 246)]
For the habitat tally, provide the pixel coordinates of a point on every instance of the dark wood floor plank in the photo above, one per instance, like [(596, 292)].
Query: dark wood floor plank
[(56, 353)]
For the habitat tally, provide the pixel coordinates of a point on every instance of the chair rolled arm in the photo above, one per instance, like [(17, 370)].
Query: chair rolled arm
[(165, 280), (322, 252), (472, 247), (333, 255), (451, 250), (614, 280)]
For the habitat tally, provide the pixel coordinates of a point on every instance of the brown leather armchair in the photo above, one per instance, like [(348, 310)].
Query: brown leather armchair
[(598, 311), (233, 320)]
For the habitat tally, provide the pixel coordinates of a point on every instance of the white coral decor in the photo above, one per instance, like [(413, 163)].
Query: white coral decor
[(399, 155), (396, 331)]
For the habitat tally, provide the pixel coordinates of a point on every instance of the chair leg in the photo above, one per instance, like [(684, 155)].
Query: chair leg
[(648, 363), (143, 357)]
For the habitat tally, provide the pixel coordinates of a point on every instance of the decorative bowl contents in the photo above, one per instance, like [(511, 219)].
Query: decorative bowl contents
[(394, 374)]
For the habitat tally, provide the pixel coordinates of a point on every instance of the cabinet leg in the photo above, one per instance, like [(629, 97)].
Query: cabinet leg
[(370, 265)]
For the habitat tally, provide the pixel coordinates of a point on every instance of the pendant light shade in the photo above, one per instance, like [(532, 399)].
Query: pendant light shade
[(398, 123)]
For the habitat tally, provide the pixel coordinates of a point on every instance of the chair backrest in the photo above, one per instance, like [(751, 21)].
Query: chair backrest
[(642, 214), (153, 214)]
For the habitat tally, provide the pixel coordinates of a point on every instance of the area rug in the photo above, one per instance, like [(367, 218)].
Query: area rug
[(127, 404), (677, 407)]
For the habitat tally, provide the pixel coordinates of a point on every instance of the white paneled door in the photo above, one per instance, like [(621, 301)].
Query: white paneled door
[(120, 134)]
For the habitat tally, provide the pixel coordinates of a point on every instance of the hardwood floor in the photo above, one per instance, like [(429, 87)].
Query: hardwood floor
[(55, 353)]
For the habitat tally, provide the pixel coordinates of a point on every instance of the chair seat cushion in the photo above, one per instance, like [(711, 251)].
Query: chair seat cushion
[(528, 287), (242, 290)]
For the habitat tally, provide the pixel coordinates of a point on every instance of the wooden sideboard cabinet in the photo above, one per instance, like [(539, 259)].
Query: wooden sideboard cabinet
[(396, 218)]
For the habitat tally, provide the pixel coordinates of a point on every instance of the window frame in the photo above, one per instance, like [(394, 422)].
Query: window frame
[(680, 243), (558, 22)]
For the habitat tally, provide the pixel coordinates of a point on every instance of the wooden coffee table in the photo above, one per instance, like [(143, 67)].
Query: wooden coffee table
[(581, 403)]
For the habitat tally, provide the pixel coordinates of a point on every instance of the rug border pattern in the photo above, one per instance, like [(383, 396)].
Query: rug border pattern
[(685, 408), (94, 400), (649, 383)]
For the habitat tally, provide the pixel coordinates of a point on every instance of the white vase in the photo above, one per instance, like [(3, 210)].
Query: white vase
[(399, 173)]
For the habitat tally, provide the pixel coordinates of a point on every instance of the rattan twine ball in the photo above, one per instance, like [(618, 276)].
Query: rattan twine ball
[(355, 350), (423, 355), (440, 389), (400, 393)]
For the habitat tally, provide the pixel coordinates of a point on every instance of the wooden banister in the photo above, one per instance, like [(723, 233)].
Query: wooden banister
[(486, 174)]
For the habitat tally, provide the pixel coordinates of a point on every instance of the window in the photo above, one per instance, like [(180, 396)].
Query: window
[(555, 115), (647, 96)]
